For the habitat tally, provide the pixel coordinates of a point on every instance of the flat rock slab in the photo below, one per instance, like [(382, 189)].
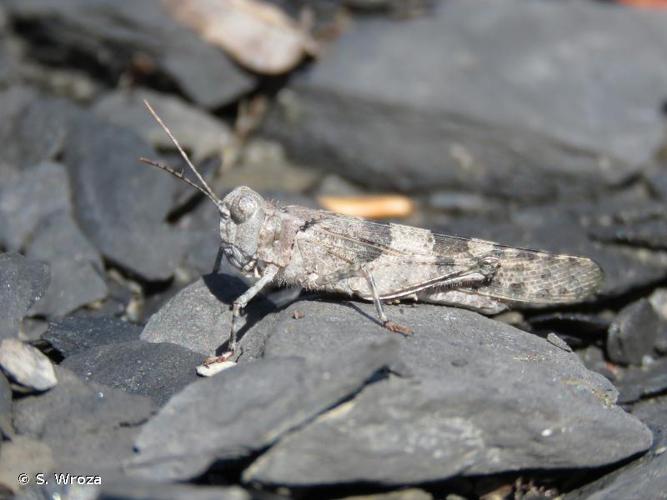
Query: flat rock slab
[(490, 111), (86, 425), (22, 283), (26, 366), (633, 333), (131, 34), (482, 397), (6, 428), (27, 197), (199, 316), (157, 371), (78, 333), (200, 132), (246, 408)]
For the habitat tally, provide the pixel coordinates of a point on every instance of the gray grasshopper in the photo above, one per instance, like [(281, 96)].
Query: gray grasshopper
[(380, 262)]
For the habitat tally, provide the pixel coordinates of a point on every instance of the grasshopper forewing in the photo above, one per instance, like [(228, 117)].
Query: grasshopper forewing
[(379, 262)]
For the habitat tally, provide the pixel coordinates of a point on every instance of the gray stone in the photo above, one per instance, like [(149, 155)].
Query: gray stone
[(76, 333), (157, 371), (86, 425), (483, 397), (642, 381), (24, 281), (645, 477), (26, 366), (246, 408), (633, 333), (199, 317), (26, 198), (120, 205), (196, 130), (137, 38), (6, 428), (76, 266), (513, 119)]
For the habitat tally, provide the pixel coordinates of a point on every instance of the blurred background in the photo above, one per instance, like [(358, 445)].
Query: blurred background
[(534, 123)]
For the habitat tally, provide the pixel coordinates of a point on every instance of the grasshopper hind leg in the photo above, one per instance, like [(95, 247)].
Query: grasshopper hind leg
[(389, 325)]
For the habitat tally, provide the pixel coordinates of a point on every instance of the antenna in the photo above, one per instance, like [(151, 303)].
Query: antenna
[(206, 189)]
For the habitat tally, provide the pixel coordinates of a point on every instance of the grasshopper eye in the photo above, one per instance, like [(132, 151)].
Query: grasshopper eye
[(243, 208)]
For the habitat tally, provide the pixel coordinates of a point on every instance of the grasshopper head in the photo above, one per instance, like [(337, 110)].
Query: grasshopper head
[(241, 217)]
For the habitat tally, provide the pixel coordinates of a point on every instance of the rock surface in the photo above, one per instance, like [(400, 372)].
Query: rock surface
[(246, 408), (28, 197), (511, 400), (75, 333), (157, 371), (633, 333), (134, 37), (512, 120), (26, 366), (89, 427), (22, 283), (199, 317), (5, 407)]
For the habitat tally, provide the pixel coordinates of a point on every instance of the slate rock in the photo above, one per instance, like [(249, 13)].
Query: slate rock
[(248, 407), (483, 397), (137, 38), (640, 382), (74, 334), (199, 317), (121, 207), (27, 197), (157, 371), (26, 366), (645, 477), (86, 425), (633, 333), (512, 119), (196, 130), (23, 282), (6, 428)]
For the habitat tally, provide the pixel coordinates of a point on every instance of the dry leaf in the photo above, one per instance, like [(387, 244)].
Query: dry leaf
[(369, 207), (257, 35)]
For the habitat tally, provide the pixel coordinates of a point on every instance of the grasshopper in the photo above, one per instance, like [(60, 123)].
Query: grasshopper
[(379, 262)]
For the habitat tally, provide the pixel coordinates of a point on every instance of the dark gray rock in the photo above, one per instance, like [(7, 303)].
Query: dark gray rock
[(199, 317), (138, 38), (484, 397), (640, 382), (633, 333), (513, 118), (76, 333), (26, 366), (645, 477), (157, 371), (26, 198), (86, 425), (76, 266), (24, 281), (248, 407), (121, 205), (6, 428), (196, 130)]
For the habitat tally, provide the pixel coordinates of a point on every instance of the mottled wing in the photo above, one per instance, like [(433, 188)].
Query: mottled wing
[(533, 276)]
